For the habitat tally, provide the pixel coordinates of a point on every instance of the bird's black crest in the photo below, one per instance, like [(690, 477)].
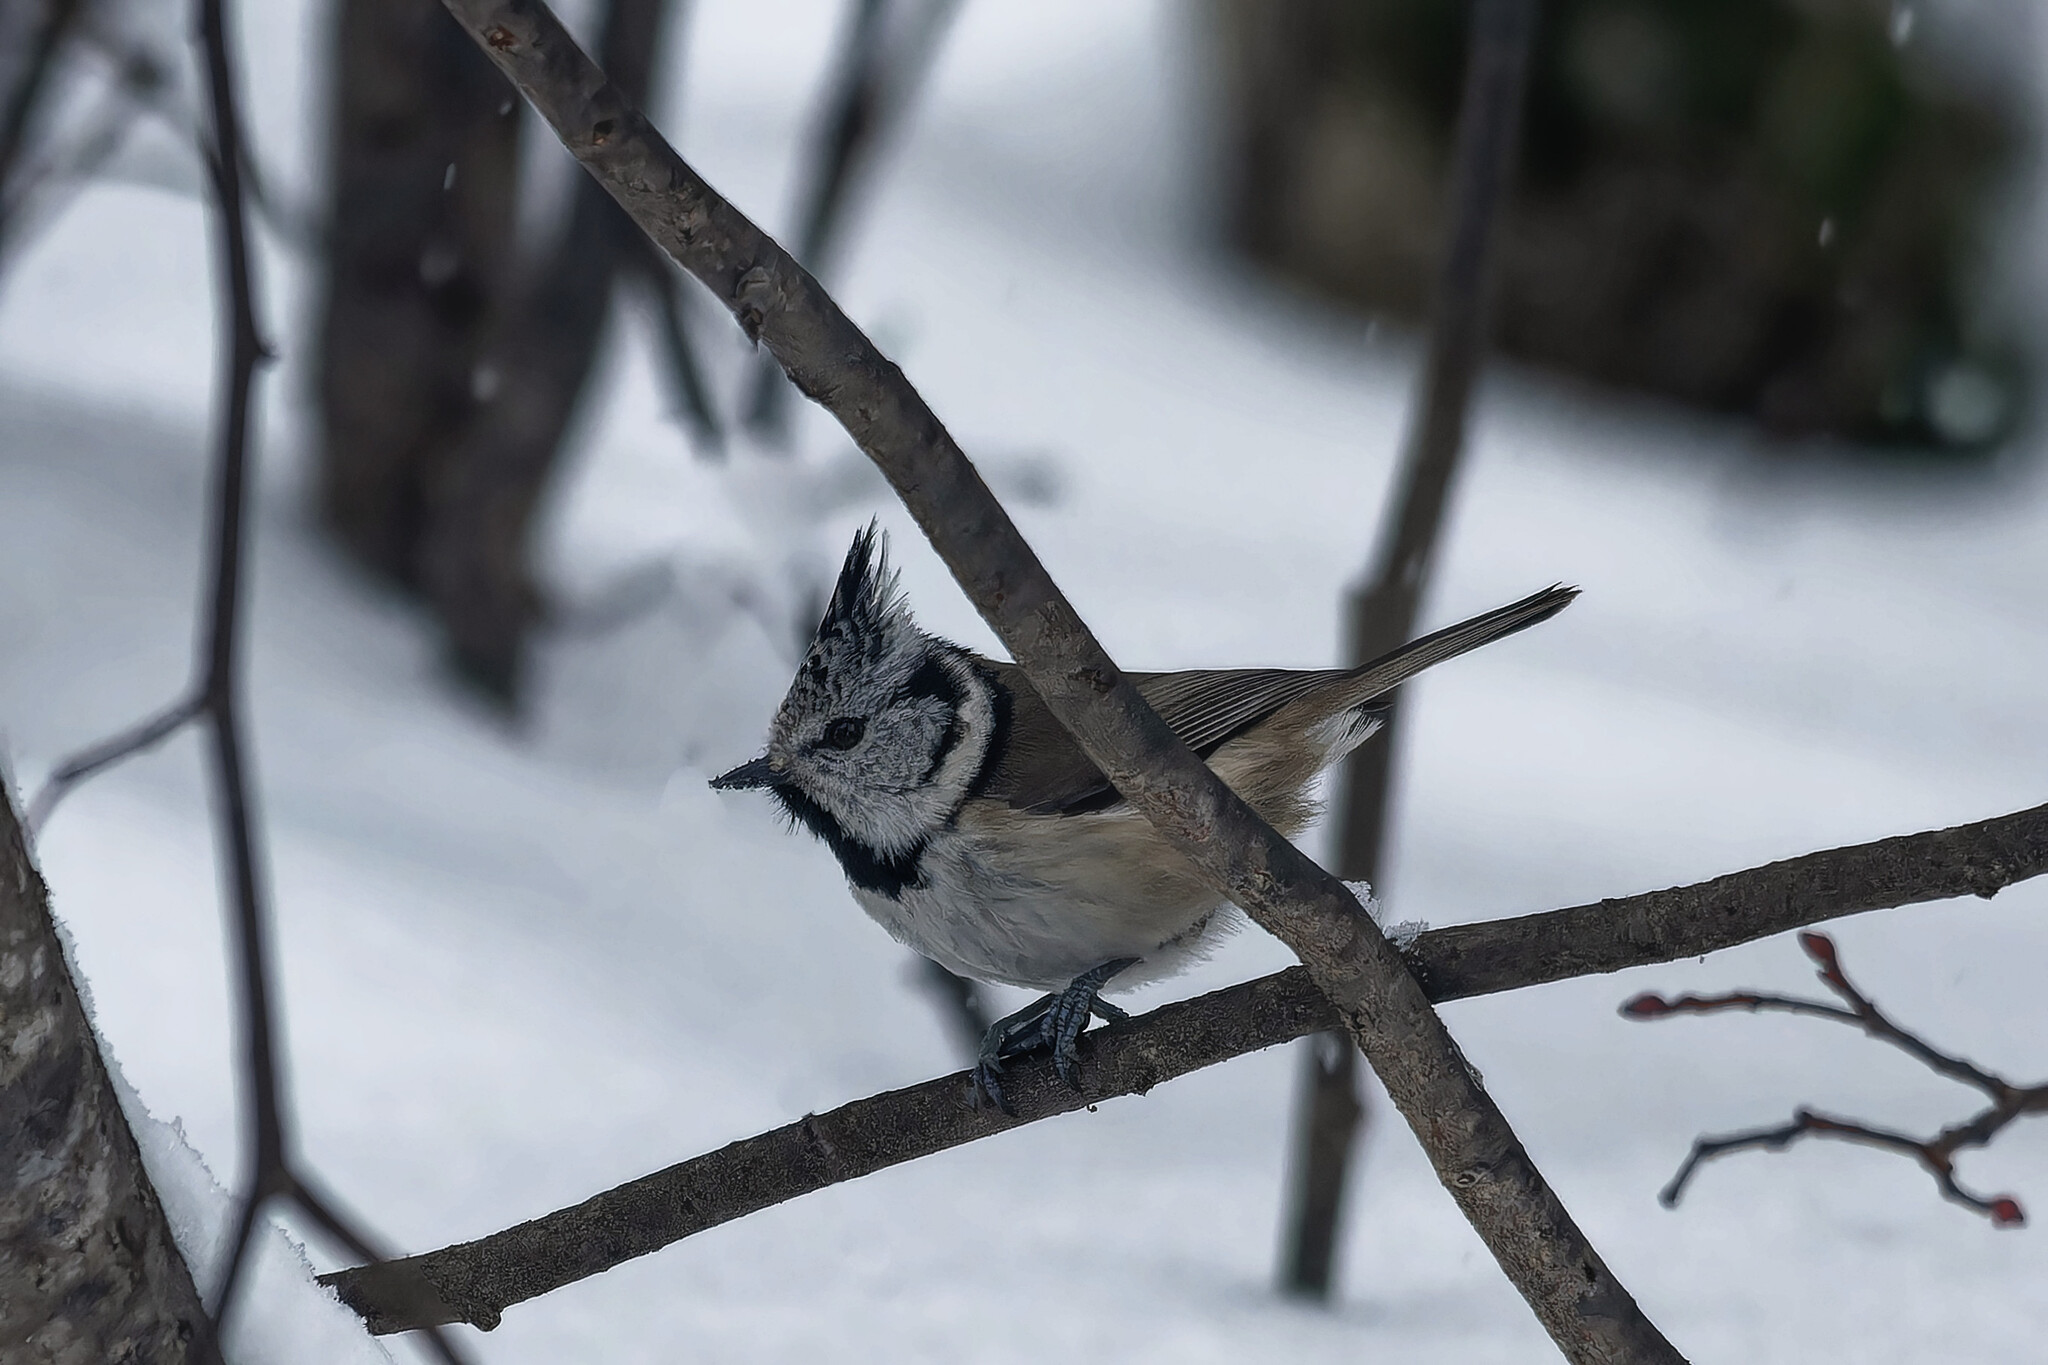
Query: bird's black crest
[(864, 598)]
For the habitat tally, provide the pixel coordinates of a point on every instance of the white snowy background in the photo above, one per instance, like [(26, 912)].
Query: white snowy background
[(522, 965)]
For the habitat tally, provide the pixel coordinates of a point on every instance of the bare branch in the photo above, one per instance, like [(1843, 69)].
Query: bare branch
[(1937, 1154), (1473, 1150), (217, 700), (476, 1281)]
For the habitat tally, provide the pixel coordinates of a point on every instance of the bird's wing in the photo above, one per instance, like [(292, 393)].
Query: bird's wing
[(1042, 770)]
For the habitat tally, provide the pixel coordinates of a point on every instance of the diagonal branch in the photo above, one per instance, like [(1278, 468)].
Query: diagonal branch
[(1862, 1011), (1475, 1153), (476, 1281), (1937, 1153)]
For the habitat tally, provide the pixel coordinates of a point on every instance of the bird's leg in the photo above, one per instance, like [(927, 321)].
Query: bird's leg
[(1006, 1037), (1069, 1015), (1053, 1022)]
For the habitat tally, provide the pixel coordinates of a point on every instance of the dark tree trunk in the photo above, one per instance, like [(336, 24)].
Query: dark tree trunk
[(88, 1271), (1765, 207), (420, 241), (32, 39)]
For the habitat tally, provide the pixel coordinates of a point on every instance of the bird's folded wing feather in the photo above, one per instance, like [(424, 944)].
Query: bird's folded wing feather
[(1041, 769)]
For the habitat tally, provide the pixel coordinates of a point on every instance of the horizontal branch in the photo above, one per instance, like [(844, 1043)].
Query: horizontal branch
[(475, 1282)]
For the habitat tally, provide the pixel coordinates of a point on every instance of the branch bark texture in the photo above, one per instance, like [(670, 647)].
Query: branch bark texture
[(475, 1282), (88, 1271), (1476, 1155)]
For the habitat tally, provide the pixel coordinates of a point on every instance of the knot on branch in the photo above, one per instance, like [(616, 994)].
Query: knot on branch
[(1990, 877), (754, 298)]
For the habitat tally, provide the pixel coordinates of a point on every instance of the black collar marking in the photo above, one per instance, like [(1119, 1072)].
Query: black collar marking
[(868, 869)]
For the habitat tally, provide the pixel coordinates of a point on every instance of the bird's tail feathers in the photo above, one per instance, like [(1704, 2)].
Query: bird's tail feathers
[(1389, 671)]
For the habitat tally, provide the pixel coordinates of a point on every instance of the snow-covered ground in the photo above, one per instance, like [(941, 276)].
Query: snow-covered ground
[(519, 967)]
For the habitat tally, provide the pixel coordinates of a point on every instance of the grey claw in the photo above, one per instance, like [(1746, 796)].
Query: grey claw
[(1055, 1023), (986, 1089)]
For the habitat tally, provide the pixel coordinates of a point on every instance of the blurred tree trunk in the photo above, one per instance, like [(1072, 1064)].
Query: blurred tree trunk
[(450, 370), (541, 351), (420, 241), (88, 1270), (1384, 608), (885, 53)]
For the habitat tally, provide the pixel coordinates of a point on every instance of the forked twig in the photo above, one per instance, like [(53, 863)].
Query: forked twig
[(137, 738), (1937, 1153)]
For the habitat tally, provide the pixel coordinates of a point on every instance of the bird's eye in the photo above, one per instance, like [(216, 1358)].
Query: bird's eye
[(844, 732)]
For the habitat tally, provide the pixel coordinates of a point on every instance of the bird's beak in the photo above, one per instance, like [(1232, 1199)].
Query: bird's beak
[(753, 773)]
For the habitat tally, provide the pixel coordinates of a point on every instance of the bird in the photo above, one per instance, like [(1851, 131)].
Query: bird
[(971, 826)]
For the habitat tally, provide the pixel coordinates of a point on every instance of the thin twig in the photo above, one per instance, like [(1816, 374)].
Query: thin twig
[(476, 1281), (880, 65), (97, 758), (1384, 609), (1937, 1153), (684, 369)]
